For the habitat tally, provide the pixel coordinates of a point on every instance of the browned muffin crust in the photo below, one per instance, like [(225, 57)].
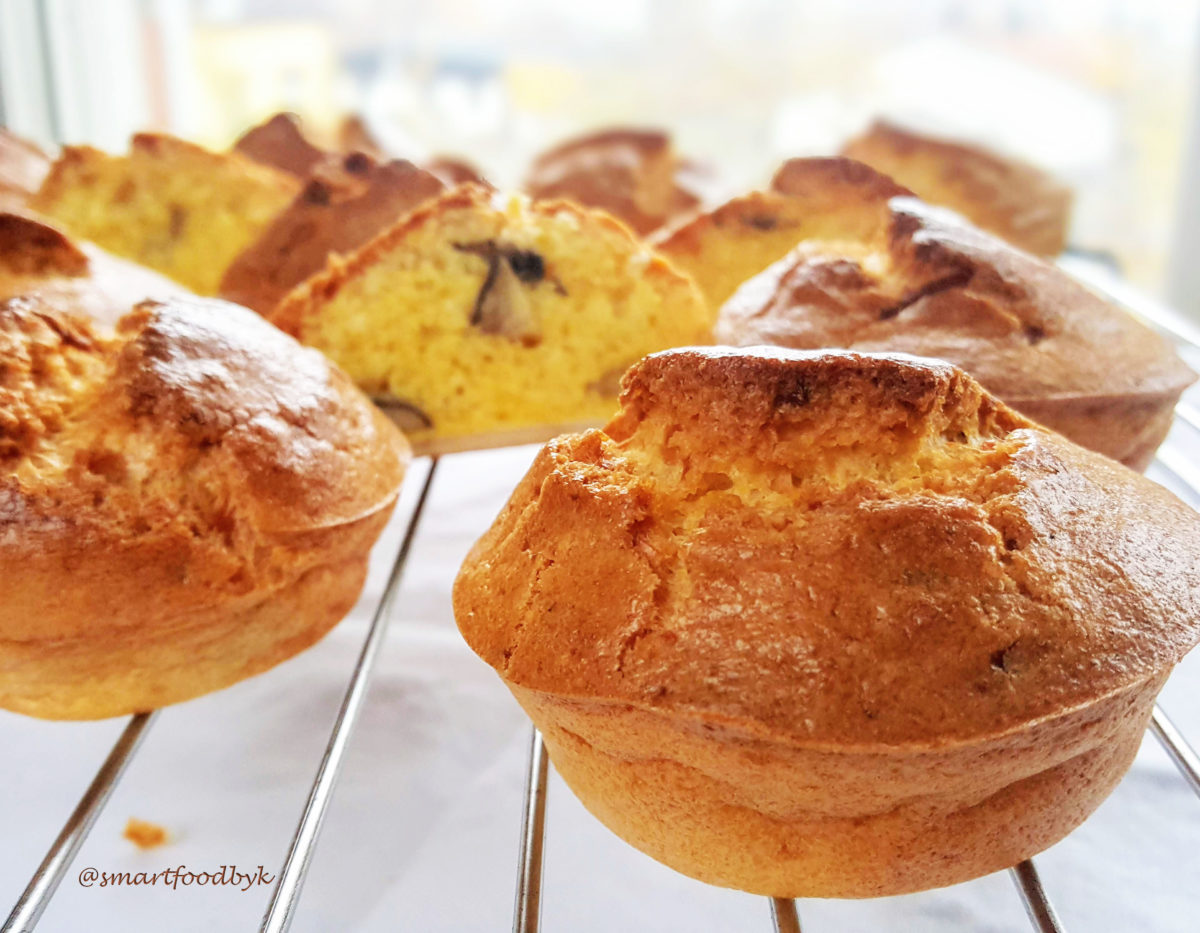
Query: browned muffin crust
[(183, 503), (832, 624), (915, 279), (23, 166), (280, 142), (346, 201), (734, 486), (1008, 197), (634, 174), (37, 259)]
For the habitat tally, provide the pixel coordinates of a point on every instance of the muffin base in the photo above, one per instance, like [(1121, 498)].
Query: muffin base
[(784, 819), (130, 670)]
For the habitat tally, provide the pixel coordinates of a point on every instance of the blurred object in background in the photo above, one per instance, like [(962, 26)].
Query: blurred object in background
[(1095, 93), (1008, 197), (22, 167)]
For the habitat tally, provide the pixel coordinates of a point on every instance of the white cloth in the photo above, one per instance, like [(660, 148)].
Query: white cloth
[(422, 831)]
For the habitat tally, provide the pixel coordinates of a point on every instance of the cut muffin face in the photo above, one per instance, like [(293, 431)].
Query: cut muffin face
[(479, 315), (724, 247), (832, 624), (169, 205)]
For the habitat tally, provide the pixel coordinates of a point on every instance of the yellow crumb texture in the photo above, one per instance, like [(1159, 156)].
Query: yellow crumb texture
[(489, 314), (175, 207), (143, 834)]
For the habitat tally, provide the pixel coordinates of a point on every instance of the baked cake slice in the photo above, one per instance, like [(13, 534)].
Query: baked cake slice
[(168, 204), (482, 319)]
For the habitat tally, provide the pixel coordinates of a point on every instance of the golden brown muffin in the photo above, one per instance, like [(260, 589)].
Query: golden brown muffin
[(347, 201), (37, 259), (635, 175), (722, 248), (1010, 198), (184, 503), (280, 142), (900, 275), (832, 624), (22, 167), (483, 319), (169, 205)]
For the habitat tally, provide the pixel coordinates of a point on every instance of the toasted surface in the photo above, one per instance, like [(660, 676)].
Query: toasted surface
[(634, 174), (831, 548), (37, 259), (280, 142), (161, 489), (346, 201), (894, 274), (169, 205), (480, 313), (832, 624), (1008, 197), (726, 246), (23, 165)]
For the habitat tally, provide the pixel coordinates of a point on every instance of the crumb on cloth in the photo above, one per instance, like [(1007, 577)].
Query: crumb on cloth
[(143, 834)]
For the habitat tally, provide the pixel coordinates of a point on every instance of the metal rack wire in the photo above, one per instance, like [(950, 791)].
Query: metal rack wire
[(527, 909)]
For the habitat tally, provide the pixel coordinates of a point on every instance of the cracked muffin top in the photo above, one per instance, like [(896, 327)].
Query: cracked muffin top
[(920, 280), (831, 548), (478, 315), (196, 442)]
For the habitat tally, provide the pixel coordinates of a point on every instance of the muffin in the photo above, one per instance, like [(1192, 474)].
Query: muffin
[(22, 167), (635, 175), (37, 259), (832, 624), (185, 502), (897, 274), (482, 320), (345, 202), (280, 142), (169, 205), (722, 248), (1010, 198)]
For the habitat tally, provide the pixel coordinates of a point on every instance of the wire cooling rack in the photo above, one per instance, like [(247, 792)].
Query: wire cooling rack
[(285, 898)]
